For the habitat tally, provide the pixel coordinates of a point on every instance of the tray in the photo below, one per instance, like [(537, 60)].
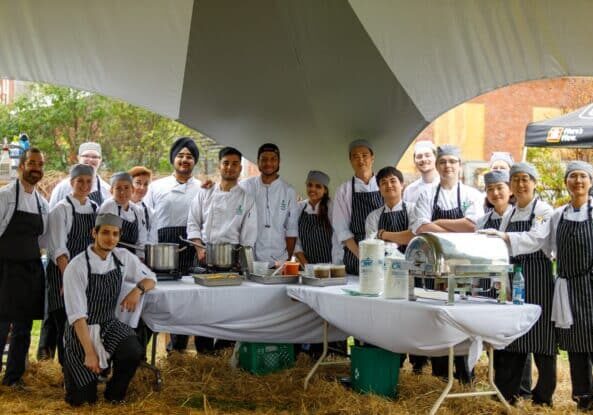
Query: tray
[(202, 279), (324, 282), (277, 279)]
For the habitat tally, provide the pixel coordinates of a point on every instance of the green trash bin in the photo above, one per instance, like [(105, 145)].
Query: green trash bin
[(374, 370)]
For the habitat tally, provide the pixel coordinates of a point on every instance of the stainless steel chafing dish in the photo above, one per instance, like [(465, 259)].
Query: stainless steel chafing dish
[(454, 260)]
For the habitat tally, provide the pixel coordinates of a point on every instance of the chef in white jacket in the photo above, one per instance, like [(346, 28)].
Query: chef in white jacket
[(277, 209), (88, 153), (141, 178), (425, 154)]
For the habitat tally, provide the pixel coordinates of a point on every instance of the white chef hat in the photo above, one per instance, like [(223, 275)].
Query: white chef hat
[(502, 155), (578, 165), (89, 145), (424, 145)]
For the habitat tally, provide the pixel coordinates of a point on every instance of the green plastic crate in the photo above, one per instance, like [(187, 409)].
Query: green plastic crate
[(374, 370), (263, 358)]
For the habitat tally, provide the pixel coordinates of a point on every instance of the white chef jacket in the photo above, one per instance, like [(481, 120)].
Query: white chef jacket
[(342, 213), (152, 237), (483, 219), (76, 277), (60, 223), (27, 203), (413, 190), (277, 217), (216, 216), (571, 214), (337, 250), (372, 223), (531, 241), (133, 213), (171, 200), (63, 189), (472, 204)]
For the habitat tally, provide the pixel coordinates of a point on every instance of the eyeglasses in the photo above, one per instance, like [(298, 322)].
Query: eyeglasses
[(90, 156)]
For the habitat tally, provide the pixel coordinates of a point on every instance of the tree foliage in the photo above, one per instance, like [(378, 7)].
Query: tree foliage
[(59, 119)]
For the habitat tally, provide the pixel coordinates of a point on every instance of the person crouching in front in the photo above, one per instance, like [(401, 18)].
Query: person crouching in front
[(92, 284)]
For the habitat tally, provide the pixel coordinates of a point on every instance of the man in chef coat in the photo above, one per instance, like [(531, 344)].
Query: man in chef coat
[(425, 154), (170, 199), (224, 213), (23, 225), (276, 206)]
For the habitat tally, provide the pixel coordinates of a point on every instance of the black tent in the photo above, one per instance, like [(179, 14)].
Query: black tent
[(574, 129)]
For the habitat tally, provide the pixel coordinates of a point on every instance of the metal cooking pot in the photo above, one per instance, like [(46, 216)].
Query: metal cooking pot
[(161, 256), (223, 255)]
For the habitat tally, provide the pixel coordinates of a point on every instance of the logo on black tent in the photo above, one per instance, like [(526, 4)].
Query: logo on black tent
[(554, 134)]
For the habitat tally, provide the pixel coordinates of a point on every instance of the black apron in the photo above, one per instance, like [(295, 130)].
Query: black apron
[(187, 257), (146, 217), (395, 222), (79, 237), (22, 280), (539, 289), (129, 230), (574, 241), (97, 195), (363, 203), (316, 239), (485, 283), (102, 293)]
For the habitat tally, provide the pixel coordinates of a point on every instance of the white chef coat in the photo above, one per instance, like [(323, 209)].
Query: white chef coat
[(216, 216), (171, 200), (337, 250), (277, 217), (472, 204), (522, 243), (63, 189), (27, 203), (152, 236), (483, 219), (372, 223), (133, 213), (76, 277), (572, 215), (342, 212), (60, 223), (413, 190)]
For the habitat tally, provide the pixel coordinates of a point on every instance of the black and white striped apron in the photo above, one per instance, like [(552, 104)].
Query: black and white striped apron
[(486, 283), (395, 222), (575, 263), (438, 213), (78, 239), (316, 238), (97, 195), (102, 293), (146, 217), (539, 289), (129, 230), (363, 203), (187, 257)]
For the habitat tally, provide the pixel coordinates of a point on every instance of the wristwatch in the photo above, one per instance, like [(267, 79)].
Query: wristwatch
[(141, 288)]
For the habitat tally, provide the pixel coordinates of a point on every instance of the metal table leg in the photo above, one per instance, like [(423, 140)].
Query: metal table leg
[(158, 382), (321, 359), (494, 391)]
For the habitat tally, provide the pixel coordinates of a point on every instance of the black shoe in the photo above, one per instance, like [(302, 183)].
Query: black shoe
[(18, 385), (585, 402)]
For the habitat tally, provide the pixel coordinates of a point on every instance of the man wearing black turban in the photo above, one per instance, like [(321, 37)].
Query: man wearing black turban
[(181, 143)]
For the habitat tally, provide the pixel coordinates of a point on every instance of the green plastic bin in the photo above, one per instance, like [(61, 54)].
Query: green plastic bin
[(263, 358), (374, 370)]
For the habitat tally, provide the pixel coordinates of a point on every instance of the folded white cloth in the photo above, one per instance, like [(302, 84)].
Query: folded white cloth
[(95, 334), (561, 312)]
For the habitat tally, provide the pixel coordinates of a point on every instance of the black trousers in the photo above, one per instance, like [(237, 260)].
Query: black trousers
[(508, 373), (418, 362), (47, 339), (581, 375), (20, 340), (440, 368), (144, 334), (203, 344), (125, 361), (58, 318)]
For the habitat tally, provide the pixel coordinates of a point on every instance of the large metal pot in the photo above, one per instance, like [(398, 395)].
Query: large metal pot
[(161, 256), (223, 256)]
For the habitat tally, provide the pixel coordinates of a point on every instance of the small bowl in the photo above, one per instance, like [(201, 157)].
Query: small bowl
[(260, 268)]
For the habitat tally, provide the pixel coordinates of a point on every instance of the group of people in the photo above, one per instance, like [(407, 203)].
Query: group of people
[(87, 217)]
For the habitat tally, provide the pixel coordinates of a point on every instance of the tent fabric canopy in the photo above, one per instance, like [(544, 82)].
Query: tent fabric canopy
[(309, 75), (574, 129)]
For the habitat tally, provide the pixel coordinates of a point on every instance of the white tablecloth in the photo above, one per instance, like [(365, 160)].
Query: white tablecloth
[(424, 327), (249, 312)]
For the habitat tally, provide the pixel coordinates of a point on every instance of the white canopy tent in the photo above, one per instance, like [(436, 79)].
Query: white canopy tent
[(309, 75)]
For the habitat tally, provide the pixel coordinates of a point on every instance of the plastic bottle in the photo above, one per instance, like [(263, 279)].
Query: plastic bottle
[(5, 163), (518, 286), (14, 150), (24, 141)]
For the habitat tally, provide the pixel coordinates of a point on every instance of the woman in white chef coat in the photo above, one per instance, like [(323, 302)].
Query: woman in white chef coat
[(93, 281), (525, 228), (133, 230), (571, 239), (317, 242), (71, 222), (141, 178)]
